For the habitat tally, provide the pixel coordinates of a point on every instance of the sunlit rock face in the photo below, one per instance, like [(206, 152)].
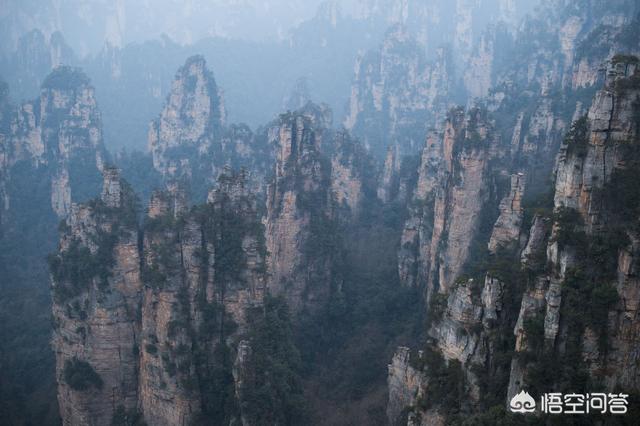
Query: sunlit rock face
[(507, 228)]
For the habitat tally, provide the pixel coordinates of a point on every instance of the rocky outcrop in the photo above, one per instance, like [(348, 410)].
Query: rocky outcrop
[(596, 155), (396, 93), (191, 121), (96, 292), (190, 140), (389, 175), (61, 132), (441, 238), (405, 383), (149, 328), (467, 318), (204, 273), (169, 392), (350, 167), (450, 194), (415, 246), (297, 213), (563, 261), (506, 230)]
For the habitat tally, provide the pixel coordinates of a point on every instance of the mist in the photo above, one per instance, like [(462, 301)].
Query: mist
[(359, 212)]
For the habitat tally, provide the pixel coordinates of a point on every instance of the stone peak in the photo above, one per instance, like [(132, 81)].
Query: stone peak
[(111, 187), (318, 116), (195, 61), (232, 184), (622, 66), (66, 78)]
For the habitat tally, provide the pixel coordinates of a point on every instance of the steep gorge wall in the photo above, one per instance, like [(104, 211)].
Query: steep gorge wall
[(583, 250), (147, 330), (590, 251)]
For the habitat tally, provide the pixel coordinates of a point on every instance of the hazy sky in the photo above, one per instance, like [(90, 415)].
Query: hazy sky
[(86, 24)]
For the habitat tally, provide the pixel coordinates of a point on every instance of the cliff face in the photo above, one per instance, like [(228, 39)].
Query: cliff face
[(593, 170), (51, 154), (96, 292), (506, 230), (545, 77), (470, 322), (203, 276), (151, 331), (453, 187), (320, 180), (190, 139), (191, 121), (405, 383), (396, 93), (442, 237), (35, 56), (351, 174), (581, 255), (60, 133), (297, 207)]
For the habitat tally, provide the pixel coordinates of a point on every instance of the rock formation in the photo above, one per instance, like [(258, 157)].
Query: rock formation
[(453, 186), (594, 164), (96, 292), (506, 230), (350, 172), (190, 140), (396, 93), (584, 251), (60, 132), (146, 331), (534, 272), (298, 213), (191, 121)]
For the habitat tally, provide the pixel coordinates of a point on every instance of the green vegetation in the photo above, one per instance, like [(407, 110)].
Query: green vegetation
[(151, 349), (577, 139), (273, 388), (72, 271), (80, 375), (369, 313), (124, 417), (65, 78), (625, 59), (216, 383), (569, 228), (493, 377), (437, 308), (446, 382)]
